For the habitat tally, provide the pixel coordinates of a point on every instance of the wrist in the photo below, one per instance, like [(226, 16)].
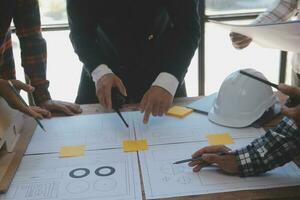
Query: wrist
[(99, 72)]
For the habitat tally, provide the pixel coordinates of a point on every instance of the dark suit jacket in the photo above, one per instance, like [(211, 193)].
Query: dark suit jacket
[(137, 39)]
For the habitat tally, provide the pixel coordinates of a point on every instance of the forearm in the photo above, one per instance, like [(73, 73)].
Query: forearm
[(33, 48), (276, 148)]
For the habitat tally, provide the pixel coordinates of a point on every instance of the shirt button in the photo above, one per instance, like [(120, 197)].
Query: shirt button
[(150, 37)]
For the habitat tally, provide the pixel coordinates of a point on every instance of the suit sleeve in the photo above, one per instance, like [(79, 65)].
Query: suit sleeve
[(179, 43), (83, 33)]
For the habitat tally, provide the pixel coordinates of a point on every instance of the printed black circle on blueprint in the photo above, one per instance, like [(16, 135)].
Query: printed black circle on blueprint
[(110, 172), (73, 172)]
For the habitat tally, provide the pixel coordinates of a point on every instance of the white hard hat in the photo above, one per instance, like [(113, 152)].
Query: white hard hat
[(241, 100)]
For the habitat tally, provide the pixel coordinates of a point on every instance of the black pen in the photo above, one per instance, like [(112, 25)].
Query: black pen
[(259, 79), (122, 118), (197, 158), (291, 102), (25, 104)]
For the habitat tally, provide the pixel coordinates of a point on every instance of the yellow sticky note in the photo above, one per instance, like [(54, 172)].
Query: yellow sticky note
[(135, 145), (72, 151), (179, 111), (220, 139)]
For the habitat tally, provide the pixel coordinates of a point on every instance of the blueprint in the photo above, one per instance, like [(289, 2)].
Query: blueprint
[(163, 179), (103, 174), (97, 131)]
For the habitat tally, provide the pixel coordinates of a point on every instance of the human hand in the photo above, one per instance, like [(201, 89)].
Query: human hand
[(14, 101), (293, 112), (104, 86), (156, 101), (210, 155), (61, 106), (240, 41)]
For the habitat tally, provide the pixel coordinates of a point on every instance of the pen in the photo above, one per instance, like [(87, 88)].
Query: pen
[(117, 102), (197, 158), (291, 102), (259, 79), (22, 100), (122, 118)]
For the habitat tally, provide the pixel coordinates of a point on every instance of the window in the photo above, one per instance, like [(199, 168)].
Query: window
[(214, 7), (53, 12), (222, 58)]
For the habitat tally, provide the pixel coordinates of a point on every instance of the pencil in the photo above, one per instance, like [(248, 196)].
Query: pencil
[(25, 104)]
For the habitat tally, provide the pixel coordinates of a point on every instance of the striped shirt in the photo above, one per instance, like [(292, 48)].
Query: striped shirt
[(26, 17), (276, 148)]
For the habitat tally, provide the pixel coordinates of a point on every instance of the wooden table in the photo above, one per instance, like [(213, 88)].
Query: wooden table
[(277, 193)]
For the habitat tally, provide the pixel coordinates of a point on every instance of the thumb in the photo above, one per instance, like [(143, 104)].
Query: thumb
[(211, 158), (22, 86), (121, 87)]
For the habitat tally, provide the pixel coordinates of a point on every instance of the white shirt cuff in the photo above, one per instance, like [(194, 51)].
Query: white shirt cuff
[(100, 71), (167, 81)]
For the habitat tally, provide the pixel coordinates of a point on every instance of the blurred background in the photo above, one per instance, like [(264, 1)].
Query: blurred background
[(213, 61)]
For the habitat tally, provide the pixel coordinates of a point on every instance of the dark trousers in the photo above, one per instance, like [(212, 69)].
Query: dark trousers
[(87, 92)]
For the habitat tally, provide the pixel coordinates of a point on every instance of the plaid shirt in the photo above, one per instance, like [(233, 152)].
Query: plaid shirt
[(26, 17), (276, 148), (281, 12)]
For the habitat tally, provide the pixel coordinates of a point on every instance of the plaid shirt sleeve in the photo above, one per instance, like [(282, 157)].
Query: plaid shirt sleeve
[(281, 12), (276, 148), (33, 47)]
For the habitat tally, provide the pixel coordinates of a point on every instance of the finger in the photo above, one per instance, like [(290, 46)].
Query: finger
[(194, 163), (212, 158), (155, 109), (197, 168), (30, 112), (291, 112), (107, 97), (121, 87), (43, 112), (75, 108), (22, 86), (100, 97), (63, 109), (289, 90), (147, 112), (144, 103), (211, 149), (161, 110)]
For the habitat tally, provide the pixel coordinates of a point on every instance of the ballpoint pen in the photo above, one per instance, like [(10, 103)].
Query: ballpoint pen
[(198, 158), (291, 102), (117, 102), (25, 104)]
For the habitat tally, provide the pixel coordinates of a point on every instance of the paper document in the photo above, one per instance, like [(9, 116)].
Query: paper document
[(95, 131), (163, 179), (194, 127), (283, 36), (103, 174)]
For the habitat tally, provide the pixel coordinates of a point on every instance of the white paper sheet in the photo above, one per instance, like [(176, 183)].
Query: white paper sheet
[(162, 179), (283, 36), (194, 127), (48, 177), (95, 131)]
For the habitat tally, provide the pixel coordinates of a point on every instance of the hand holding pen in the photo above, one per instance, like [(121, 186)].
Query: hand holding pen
[(15, 100), (219, 155), (293, 109)]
